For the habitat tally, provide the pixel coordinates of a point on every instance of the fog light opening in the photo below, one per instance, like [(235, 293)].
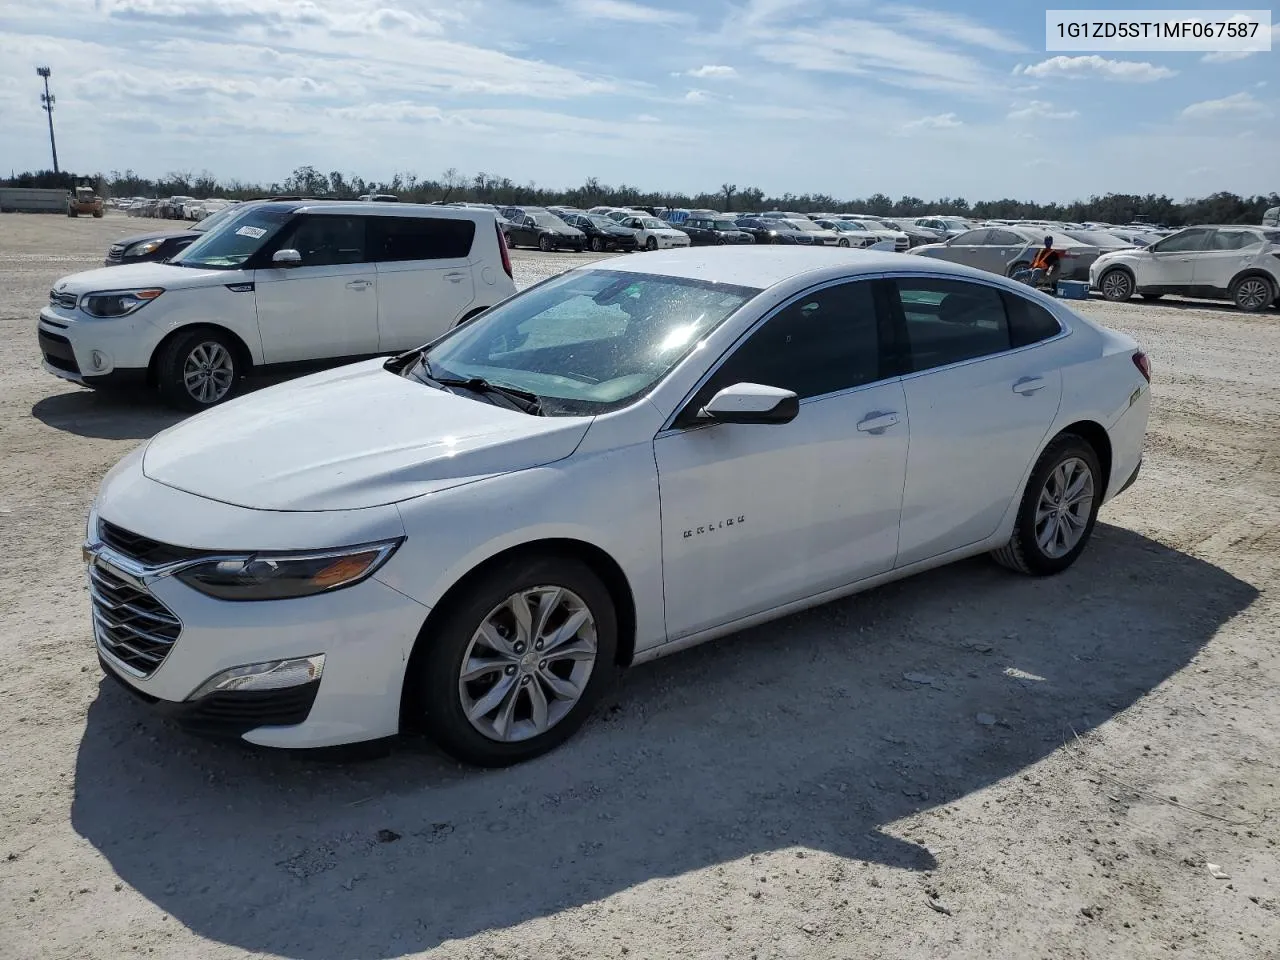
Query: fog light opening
[(97, 360), (271, 675)]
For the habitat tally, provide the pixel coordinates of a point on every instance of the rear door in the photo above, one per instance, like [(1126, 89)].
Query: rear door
[(1003, 247), (968, 248), (425, 280), (326, 306), (1227, 253), (982, 391)]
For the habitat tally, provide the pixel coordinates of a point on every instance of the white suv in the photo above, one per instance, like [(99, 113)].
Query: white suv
[(1239, 263), (280, 283)]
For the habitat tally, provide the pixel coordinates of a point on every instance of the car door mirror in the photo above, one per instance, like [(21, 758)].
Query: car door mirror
[(751, 403), (286, 258)]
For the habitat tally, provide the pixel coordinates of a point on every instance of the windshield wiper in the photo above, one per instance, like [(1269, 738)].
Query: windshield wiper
[(523, 399)]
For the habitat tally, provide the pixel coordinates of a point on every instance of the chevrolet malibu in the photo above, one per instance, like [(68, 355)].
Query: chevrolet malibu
[(625, 460)]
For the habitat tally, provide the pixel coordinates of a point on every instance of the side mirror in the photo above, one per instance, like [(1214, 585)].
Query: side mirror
[(287, 258), (751, 403)]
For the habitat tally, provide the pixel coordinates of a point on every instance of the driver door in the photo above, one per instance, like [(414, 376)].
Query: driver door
[(759, 515), (1173, 260)]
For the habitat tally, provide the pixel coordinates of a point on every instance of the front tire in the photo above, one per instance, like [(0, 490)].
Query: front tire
[(517, 663), (545, 244), (651, 244), (198, 369), (1116, 285), (1252, 294), (1058, 511), (844, 242), (597, 244)]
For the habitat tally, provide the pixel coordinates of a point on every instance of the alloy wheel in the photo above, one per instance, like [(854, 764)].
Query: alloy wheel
[(1064, 507), (209, 372), (1116, 285), (528, 663), (1252, 293)]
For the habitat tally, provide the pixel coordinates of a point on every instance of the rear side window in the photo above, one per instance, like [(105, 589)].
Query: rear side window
[(948, 321), (1235, 240), (973, 238), (421, 238), (1029, 322)]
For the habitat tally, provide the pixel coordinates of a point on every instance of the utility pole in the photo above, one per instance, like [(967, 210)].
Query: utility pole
[(47, 101)]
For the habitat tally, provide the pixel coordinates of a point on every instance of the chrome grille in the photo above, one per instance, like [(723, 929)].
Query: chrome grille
[(65, 300), (129, 623)]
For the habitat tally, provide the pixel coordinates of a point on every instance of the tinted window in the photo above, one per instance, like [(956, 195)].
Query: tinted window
[(1183, 242), (950, 320), (325, 241), (1234, 240), (421, 238), (823, 342), (1029, 322), (1005, 238), (972, 238)]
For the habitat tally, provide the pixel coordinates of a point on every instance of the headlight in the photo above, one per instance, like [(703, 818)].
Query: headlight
[(144, 248), (117, 303), (278, 576)]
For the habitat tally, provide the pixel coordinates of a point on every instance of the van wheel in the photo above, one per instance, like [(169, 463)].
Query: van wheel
[(198, 369)]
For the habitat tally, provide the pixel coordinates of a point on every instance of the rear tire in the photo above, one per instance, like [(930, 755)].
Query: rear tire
[(1058, 510), (1116, 285), (1252, 293), (198, 369), (440, 699), (1015, 268)]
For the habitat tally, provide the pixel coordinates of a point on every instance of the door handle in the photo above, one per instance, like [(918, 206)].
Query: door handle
[(1028, 385), (359, 284), (878, 422), (455, 277)]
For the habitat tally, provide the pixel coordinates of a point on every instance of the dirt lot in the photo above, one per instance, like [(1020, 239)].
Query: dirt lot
[(783, 793)]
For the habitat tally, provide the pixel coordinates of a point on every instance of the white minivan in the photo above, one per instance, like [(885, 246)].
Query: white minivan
[(284, 282)]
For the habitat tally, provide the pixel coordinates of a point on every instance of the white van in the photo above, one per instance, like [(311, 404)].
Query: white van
[(283, 282)]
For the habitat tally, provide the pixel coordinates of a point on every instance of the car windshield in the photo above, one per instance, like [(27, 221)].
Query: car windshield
[(651, 223), (239, 239), (725, 225), (953, 224), (603, 222), (547, 220), (847, 225), (587, 341), (806, 225), (216, 219)]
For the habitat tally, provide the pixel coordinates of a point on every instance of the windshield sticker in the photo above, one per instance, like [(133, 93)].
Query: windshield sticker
[(253, 233)]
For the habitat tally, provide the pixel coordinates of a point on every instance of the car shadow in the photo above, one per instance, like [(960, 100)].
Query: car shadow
[(1181, 303), (816, 732)]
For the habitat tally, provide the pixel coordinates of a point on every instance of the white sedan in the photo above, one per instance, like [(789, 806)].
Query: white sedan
[(654, 234), (618, 463)]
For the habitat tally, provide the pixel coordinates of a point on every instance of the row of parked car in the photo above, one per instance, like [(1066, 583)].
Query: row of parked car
[(171, 208)]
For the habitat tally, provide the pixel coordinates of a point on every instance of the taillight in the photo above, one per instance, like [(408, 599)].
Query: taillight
[(506, 257), (1143, 363)]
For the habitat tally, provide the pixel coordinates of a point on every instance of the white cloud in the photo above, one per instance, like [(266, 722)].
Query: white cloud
[(713, 72), (1238, 106), (940, 121), (1225, 56), (626, 11), (696, 96), (951, 26), (647, 118), (1130, 71), (1040, 110)]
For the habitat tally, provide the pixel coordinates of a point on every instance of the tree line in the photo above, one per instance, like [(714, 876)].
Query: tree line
[(452, 185)]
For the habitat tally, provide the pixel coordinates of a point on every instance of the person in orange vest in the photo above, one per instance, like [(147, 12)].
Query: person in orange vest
[(1046, 266)]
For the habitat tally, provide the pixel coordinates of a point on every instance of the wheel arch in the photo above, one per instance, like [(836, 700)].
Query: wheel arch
[(1095, 434), (600, 562), (244, 355), (1261, 275)]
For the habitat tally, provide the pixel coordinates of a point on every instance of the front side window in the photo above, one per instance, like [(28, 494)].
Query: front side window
[(420, 238), (228, 247), (1185, 242), (822, 343), (587, 341), (325, 241), (948, 321)]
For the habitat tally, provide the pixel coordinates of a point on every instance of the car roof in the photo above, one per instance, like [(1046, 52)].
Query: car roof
[(379, 208), (751, 266)]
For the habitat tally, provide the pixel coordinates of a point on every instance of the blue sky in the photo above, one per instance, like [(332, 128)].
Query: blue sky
[(848, 97)]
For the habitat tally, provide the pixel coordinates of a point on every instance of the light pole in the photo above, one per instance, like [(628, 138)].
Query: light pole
[(47, 101)]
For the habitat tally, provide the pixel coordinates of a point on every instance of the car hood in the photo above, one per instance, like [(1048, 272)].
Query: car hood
[(134, 275), (358, 436), (667, 232), (159, 235)]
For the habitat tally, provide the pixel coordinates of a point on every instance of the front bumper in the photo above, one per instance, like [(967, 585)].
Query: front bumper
[(95, 352), (672, 243)]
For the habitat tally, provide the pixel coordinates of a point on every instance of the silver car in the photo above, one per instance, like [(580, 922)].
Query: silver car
[(1006, 250), (1232, 262)]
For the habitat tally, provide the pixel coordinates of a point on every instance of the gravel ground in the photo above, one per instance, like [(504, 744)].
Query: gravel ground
[(1084, 766)]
